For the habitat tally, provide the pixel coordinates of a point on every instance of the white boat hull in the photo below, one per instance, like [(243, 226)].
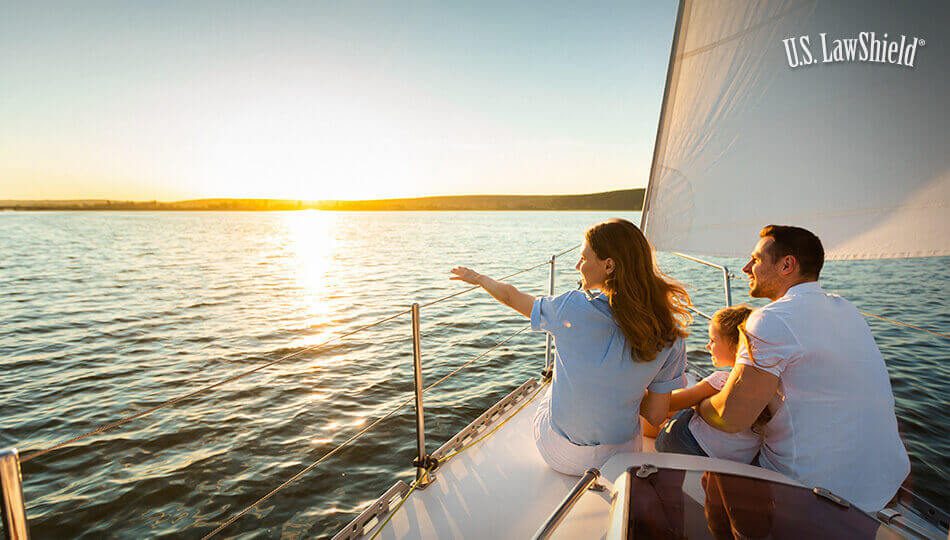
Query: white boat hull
[(500, 487)]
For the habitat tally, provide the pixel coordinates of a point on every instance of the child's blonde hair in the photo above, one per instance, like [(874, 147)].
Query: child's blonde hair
[(730, 319), (731, 323)]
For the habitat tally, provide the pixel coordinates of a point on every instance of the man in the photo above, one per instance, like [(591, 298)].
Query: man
[(834, 425)]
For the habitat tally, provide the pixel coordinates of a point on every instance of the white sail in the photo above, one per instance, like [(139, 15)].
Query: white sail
[(852, 148)]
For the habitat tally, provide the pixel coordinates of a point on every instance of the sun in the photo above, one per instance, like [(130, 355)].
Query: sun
[(336, 151)]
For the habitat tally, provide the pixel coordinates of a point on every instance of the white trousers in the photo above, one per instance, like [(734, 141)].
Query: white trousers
[(566, 457)]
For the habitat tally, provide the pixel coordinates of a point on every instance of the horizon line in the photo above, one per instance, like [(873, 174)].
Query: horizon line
[(156, 201)]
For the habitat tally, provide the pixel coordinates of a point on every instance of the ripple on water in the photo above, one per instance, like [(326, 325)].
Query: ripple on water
[(154, 305)]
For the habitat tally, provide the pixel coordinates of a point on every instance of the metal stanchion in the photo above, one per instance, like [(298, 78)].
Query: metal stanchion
[(548, 340), (14, 509), (728, 285), (425, 464)]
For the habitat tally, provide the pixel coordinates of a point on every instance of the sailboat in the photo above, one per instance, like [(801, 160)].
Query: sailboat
[(830, 116)]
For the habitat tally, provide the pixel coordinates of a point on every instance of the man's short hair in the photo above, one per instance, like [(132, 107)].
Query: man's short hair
[(799, 243)]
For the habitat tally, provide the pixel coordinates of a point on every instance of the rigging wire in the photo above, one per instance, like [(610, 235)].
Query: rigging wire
[(394, 510), (112, 425), (473, 360), (509, 276), (895, 322), (329, 454), (451, 455), (167, 403), (497, 427), (941, 473), (306, 469), (698, 312), (900, 323)]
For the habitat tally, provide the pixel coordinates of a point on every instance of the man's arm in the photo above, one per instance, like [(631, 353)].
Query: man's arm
[(736, 407)]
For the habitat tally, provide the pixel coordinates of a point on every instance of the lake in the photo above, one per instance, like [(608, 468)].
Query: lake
[(107, 313)]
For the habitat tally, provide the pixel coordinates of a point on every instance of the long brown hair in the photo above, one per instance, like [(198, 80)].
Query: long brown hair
[(649, 307)]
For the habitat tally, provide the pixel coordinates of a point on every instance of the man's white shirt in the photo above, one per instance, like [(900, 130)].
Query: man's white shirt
[(835, 427)]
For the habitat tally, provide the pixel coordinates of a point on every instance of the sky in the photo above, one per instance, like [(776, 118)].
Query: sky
[(166, 100)]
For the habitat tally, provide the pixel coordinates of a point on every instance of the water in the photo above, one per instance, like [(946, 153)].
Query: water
[(108, 313)]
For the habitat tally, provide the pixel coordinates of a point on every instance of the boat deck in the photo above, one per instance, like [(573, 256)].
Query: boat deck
[(502, 488)]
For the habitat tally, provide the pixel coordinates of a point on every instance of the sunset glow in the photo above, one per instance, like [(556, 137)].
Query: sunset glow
[(157, 102)]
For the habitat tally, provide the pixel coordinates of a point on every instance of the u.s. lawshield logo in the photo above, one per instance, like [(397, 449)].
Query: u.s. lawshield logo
[(868, 47)]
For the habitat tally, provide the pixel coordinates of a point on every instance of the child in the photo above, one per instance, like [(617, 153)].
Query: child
[(702, 439)]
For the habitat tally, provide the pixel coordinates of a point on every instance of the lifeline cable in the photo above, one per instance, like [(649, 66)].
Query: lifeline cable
[(305, 470), (700, 313), (125, 420), (479, 357), (895, 322), (326, 456), (110, 426), (900, 323), (453, 454), (509, 276)]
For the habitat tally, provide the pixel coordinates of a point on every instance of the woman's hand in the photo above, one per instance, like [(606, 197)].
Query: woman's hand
[(504, 293), (460, 273)]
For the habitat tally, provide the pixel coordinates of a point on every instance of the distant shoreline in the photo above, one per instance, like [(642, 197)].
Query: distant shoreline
[(628, 199)]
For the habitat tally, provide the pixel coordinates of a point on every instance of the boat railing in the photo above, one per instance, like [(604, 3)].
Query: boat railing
[(13, 501), (726, 279), (587, 482), (727, 288)]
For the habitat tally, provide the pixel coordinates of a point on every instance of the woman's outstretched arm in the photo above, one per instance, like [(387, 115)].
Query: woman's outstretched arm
[(507, 294)]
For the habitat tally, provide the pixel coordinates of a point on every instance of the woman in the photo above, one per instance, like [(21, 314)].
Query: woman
[(618, 354)]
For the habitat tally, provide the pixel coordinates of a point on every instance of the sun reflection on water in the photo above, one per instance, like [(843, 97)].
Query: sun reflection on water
[(312, 239)]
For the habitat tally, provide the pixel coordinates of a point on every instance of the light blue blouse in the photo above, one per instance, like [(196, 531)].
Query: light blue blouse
[(597, 387)]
